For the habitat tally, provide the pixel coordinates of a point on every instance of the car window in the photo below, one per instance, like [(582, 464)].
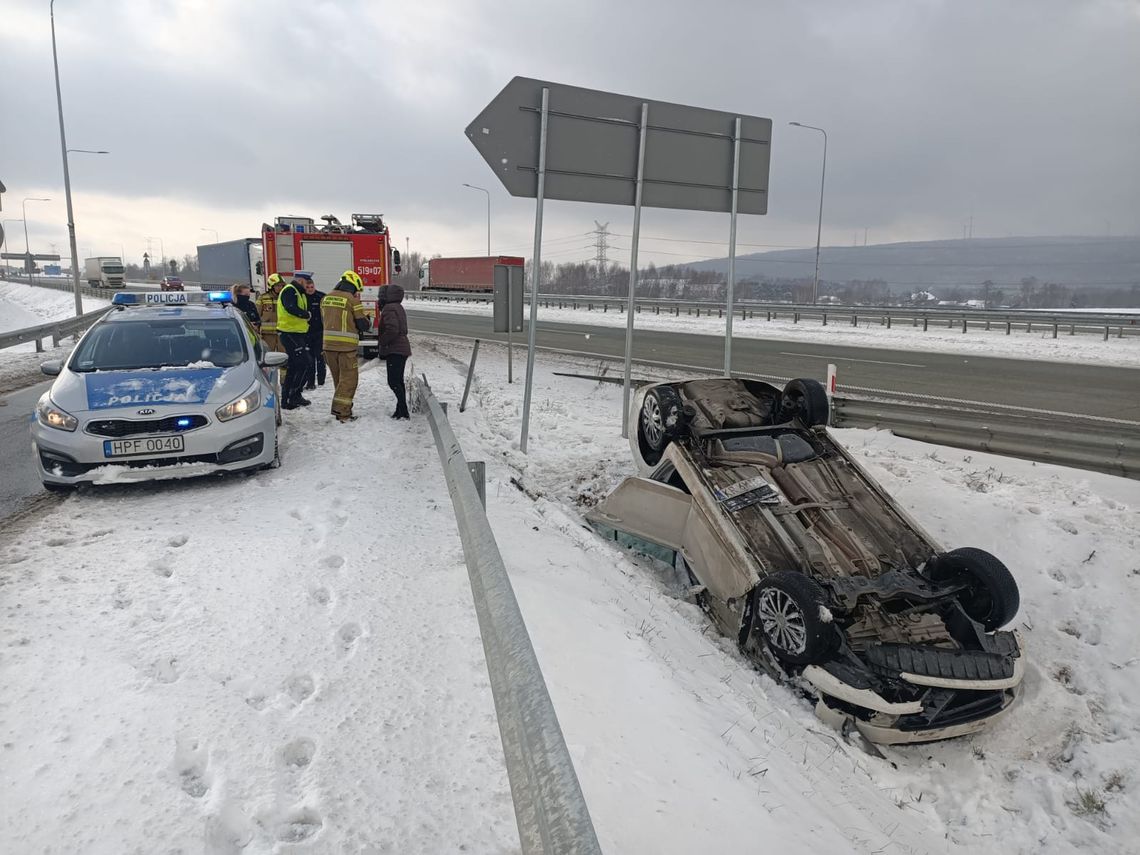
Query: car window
[(160, 342), (637, 544)]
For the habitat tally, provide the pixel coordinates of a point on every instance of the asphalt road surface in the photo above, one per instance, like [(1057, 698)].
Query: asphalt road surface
[(1073, 388), (18, 477)]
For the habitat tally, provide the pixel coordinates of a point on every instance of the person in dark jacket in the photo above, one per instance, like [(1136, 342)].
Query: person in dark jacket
[(316, 336), (395, 347), (293, 331), (244, 301)]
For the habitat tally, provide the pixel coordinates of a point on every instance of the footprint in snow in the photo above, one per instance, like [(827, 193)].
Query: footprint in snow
[(161, 568), (299, 753), (332, 562), (321, 595), (178, 540), (164, 670), (190, 762), (299, 825), (59, 541), (347, 636), (300, 687)]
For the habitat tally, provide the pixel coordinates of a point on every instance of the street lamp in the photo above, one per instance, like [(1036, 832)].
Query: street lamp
[(66, 172), (71, 225), (819, 227), (215, 231), (473, 187), (161, 249)]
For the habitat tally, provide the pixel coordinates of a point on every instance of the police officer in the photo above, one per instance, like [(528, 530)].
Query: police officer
[(293, 333), (344, 321), (267, 309)]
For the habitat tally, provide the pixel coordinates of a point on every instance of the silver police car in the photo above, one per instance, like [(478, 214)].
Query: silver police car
[(166, 385)]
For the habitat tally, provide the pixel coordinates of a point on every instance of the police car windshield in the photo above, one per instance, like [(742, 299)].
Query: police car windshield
[(160, 342)]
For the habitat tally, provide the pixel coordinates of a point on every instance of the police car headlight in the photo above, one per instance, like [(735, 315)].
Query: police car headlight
[(53, 417), (244, 405)]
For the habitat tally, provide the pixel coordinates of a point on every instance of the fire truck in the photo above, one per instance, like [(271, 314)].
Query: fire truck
[(326, 251)]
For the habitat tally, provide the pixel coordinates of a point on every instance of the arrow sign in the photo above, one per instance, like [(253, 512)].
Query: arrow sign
[(592, 149)]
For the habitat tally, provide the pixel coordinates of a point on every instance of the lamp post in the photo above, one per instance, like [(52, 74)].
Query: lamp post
[(215, 231), (819, 227), (66, 173), (162, 250), (473, 187), (67, 191)]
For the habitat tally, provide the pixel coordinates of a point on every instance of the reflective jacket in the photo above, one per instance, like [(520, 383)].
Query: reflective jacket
[(267, 310), (344, 319), (292, 310)]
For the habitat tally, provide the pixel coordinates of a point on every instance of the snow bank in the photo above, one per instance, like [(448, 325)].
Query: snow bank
[(290, 663), (283, 663), (626, 656), (1040, 344)]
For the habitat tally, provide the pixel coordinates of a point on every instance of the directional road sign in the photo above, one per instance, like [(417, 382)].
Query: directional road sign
[(592, 149)]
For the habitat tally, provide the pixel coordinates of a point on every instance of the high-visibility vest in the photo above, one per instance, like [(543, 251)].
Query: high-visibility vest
[(288, 322), (267, 310), (339, 312)]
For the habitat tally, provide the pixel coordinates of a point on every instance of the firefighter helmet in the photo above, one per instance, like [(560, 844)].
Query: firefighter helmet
[(274, 279), (353, 277)]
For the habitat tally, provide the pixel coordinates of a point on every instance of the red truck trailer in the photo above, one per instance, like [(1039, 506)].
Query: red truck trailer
[(464, 274), (298, 243)]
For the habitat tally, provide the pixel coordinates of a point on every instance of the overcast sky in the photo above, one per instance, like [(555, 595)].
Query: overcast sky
[(222, 115)]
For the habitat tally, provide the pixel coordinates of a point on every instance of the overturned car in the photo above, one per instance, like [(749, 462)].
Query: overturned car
[(795, 551)]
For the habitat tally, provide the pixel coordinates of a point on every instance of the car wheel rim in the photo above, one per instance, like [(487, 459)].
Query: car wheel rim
[(782, 621), (651, 421)]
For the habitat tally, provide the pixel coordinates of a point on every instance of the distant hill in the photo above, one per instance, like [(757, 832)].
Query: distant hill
[(1078, 262)]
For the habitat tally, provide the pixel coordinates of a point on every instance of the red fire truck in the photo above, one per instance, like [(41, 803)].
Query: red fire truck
[(326, 251)]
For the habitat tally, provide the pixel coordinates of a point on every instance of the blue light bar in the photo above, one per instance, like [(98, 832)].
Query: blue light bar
[(170, 298), (183, 423)]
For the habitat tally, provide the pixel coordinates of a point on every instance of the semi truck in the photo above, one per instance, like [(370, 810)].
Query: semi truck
[(104, 271), (327, 250), (475, 274), (232, 262)]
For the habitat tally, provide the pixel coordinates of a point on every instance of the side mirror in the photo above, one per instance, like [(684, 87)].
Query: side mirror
[(274, 359), (396, 260), (52, 367)]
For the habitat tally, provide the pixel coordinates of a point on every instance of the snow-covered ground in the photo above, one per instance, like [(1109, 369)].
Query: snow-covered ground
[(1040, 344), (290, 662), (23, 306)]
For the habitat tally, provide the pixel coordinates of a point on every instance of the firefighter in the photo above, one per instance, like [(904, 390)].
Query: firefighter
[(267, 310), (293, 332), (344, 321)]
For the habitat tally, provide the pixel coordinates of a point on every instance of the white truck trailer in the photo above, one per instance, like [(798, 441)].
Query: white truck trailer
[(104, 271)]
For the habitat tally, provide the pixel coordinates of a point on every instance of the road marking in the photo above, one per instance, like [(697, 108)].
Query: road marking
[(849, 359)]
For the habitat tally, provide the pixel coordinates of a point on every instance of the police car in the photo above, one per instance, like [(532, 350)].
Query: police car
[(166, 385)]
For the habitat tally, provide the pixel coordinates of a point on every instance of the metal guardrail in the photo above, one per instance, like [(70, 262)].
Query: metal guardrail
[(550, 809), (1067, 439), (55, 330), (1118, 324)]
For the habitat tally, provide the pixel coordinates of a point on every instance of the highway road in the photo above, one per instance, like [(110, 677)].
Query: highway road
[(18, 477), (1106, 391)]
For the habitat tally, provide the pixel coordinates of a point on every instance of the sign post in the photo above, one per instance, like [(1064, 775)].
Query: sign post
[(584, 145)]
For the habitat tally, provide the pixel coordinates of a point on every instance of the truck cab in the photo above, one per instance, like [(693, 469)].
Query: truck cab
[(105, 272)]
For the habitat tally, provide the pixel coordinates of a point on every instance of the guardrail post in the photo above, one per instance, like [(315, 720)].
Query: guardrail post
[(854, 320), (825, 318), (925, 323), (479, 476), (1120, 332), (964, 323), (1029, 326), (888, 320), (795, 317), (39, 345), (1072, 329), (55, 337), (987, 324), (719, 312), (1106, 333), (1054, 330), (1009, 327)]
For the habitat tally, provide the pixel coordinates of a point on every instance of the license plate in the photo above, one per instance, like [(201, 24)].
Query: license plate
[(149, 446)]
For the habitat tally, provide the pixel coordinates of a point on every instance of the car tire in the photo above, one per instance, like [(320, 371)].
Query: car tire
[(806, 400), (659, 422), (788, 610), (991, 596)]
